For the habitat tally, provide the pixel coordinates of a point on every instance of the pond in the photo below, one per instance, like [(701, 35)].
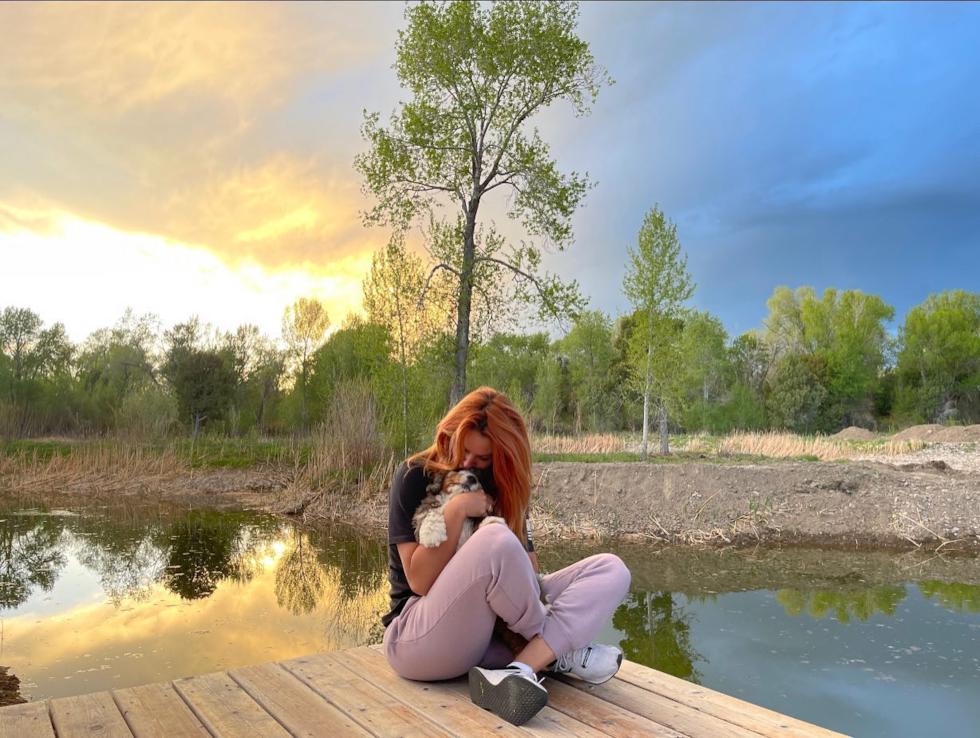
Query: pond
[(98, 597)]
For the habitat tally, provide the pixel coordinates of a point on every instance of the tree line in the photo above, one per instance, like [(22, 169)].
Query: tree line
[(819, 363)]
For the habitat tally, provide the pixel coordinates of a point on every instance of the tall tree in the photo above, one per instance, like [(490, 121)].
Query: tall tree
[(939, 357), (846, 329), (657, 283), (477, 75), (590, 353), (304, 326)]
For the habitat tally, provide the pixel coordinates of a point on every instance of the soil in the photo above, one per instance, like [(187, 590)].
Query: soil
[(855, 434), (940, 433), (843, 504)]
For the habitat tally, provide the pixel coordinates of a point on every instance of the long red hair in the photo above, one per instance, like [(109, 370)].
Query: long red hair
[(492, 414)]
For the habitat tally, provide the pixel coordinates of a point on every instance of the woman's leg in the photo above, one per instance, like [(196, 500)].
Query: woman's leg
[(445, 633), (583, 597)]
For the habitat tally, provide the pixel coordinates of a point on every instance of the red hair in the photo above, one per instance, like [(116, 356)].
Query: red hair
[(489, 412)]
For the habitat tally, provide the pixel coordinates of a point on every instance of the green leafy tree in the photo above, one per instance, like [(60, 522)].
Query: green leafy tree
[(590, 354), (304, 327), (798, 394), (938, 359), (477, 75), (657, 283), (201, 379), (847, 331)]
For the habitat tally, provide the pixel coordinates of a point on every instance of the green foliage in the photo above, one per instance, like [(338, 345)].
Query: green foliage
[(657, 283), (590, 353), (798, 396), (476, 76), (846, 331), (938, 363)]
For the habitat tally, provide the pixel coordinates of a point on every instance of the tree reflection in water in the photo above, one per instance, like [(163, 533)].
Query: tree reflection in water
[(658, 634), (861, 604), (30, 556), (952, 595), (300, 578)]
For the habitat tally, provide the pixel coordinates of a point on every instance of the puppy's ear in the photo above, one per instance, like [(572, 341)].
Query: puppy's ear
[(436, 486)]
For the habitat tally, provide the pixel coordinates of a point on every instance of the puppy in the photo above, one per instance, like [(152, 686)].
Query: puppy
[(429, 520), (429, 523)]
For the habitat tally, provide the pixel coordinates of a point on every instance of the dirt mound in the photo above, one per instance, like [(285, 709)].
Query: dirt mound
[(959, 434), (919, 433), (940, 433), (854, 434)]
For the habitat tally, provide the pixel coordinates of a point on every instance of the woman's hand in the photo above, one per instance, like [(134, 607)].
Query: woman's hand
[(472, 504)]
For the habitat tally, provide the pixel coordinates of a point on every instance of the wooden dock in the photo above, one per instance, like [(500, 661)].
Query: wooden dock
[(355, 693)]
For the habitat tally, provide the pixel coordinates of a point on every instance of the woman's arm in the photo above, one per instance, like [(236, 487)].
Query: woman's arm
[(423, 564)]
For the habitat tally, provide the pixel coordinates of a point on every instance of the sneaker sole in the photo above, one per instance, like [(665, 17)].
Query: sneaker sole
[(515, 699)]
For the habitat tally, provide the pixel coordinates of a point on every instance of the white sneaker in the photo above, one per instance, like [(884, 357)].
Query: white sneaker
[(508, 693), (595, 663)]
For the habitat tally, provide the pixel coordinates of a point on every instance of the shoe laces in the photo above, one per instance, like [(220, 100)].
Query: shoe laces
[(521, 673), (566, 661)]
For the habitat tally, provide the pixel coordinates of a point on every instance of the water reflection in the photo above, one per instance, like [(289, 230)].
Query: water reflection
[(657, 633), (30, 556), (953, 595), (103, 597), (860, 604)]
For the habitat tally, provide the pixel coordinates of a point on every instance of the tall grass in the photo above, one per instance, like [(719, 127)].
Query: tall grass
[(788, 445), (90, 467), (606, 443)]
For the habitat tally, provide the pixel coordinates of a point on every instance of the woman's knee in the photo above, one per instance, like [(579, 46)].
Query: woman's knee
[(614, 568), (497, 538)]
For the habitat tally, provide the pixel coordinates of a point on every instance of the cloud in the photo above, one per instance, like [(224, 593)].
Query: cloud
[(166, 119), (284, 211), (105, 60)]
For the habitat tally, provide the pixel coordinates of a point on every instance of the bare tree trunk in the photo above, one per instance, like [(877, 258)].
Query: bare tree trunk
[(664, 448), (646, 409), (463, 307)]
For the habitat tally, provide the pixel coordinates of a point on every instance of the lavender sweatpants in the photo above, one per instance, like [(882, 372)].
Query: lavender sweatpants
[(449, 631)]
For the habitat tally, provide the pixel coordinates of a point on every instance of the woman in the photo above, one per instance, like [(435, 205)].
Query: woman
[(444, 603)]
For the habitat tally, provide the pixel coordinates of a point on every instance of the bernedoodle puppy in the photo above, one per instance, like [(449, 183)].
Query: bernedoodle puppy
[(430, 530)]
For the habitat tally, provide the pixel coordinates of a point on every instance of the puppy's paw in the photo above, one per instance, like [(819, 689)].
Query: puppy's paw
[(492, 519), (432, 532)]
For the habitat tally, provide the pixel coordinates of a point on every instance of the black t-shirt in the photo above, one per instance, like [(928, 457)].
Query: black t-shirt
[(407, 492)]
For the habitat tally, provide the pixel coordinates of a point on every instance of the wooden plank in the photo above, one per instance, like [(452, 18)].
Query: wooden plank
[(88, 715), (432, 699), (27, 720), (603, 715), (660, 709), (302, 711), (380, 713), (549, 722), (760, 719), (226, 709), (157, 711)]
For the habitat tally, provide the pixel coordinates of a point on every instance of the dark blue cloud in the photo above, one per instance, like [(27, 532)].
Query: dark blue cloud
[(799, 144)]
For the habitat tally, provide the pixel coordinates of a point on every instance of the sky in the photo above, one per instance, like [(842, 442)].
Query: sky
[(196, 159)]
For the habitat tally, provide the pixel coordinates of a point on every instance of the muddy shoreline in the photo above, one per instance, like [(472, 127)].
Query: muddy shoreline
[(864, 504)]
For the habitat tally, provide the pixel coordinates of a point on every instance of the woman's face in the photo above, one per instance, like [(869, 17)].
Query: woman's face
[(477, 449)]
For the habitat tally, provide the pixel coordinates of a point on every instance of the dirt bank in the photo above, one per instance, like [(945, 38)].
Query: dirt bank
[(849, 504)]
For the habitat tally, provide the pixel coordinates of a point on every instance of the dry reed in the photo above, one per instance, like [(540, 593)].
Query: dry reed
[(606, 443), (789, 445), (112, 468)]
